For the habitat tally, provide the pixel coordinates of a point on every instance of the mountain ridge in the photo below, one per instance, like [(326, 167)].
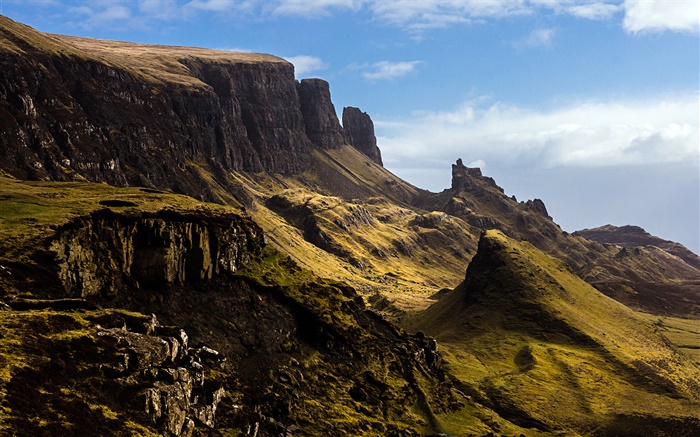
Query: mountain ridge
[(288, 287)]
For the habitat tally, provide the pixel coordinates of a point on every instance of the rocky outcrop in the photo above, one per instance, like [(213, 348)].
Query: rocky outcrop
[(463, 179), (320, 120), (175, 394), (537, 205), (359, 132), (105, 253), (70, 112)]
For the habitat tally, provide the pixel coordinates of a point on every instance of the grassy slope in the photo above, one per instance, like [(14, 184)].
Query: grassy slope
[(525, 333), (29, 211), (413, 263), (153, 62)]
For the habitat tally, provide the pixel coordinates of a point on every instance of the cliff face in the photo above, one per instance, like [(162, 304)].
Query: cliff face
[(106, 253), (71, 109), (321, 122), (359, 132)]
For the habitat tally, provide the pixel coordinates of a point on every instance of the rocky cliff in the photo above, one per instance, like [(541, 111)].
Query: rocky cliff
[(131, 114), (108, 253), (359, 133)]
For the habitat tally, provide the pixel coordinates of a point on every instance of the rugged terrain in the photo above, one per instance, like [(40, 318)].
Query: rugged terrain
[(130, 309)]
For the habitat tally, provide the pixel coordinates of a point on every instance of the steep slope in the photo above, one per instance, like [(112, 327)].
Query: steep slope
[(134, 114), (649, 277), (129, 311), (546, 350), (237, 129), (680, 297)]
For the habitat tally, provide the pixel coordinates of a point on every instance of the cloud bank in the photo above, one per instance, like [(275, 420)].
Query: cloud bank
[(411, 15), (588, 134), (386, 70)]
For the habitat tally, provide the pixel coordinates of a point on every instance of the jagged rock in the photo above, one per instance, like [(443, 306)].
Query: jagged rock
[(71, 114), (359, 133), (537, 206), (462, 179), (164, 248), (174, 395), (320, 120)]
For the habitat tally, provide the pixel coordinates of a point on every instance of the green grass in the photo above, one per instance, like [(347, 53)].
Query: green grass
[(527, 335), (31, 210), (683, 333)]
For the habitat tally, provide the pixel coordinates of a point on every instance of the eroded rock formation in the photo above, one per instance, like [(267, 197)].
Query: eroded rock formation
[(320, 120), (359, 132), (105, 252), (72, 111)]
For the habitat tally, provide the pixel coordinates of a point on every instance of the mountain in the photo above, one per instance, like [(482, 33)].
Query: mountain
[(191, 243), (546, 350), (678, 298), (634, 236), (237, 129)]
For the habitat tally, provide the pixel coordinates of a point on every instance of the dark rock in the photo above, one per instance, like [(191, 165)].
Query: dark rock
[(320, 120), (359, 133), (537, 206), (104, 252)]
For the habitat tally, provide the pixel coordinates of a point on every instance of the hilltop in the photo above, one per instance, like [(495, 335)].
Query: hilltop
[(527, 337)]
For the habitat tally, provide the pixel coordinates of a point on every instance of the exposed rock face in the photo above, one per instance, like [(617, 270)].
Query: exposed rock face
[(71, 113), (359, 132), (462, 178), (74, 118), (537, 205), (176, 392), (320, 120), (105, 252)]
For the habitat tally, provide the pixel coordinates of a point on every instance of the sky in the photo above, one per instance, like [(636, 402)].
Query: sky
[(591, 106)]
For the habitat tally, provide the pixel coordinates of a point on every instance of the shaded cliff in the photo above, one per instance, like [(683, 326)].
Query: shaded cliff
[(133, 114), (359, 132)]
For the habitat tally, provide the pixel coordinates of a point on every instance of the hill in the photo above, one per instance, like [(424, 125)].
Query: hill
[(526, 336)]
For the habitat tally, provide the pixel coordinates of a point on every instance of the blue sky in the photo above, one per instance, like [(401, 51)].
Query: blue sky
[(592, 106)]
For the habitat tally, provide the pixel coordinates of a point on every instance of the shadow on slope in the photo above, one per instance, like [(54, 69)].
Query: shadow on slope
[(527, 337)]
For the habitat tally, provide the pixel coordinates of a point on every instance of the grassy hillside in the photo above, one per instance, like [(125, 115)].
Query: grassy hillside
[(547, 350)]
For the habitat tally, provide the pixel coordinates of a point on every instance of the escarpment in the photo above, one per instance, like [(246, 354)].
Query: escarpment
[(106, 252), (359, 132), (140, 115)]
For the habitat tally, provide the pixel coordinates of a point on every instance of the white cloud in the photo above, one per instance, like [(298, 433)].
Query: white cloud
[(212, 5), (418, 15), (538, 37), (658, 15), (415, 16), (305, 64), (385, 70), (588, 134), (314, 8), (594, 11), (109, 13), (159, 9)]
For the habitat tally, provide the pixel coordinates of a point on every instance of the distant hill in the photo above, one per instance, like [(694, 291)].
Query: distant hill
[(634, 236), (527, 337)]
